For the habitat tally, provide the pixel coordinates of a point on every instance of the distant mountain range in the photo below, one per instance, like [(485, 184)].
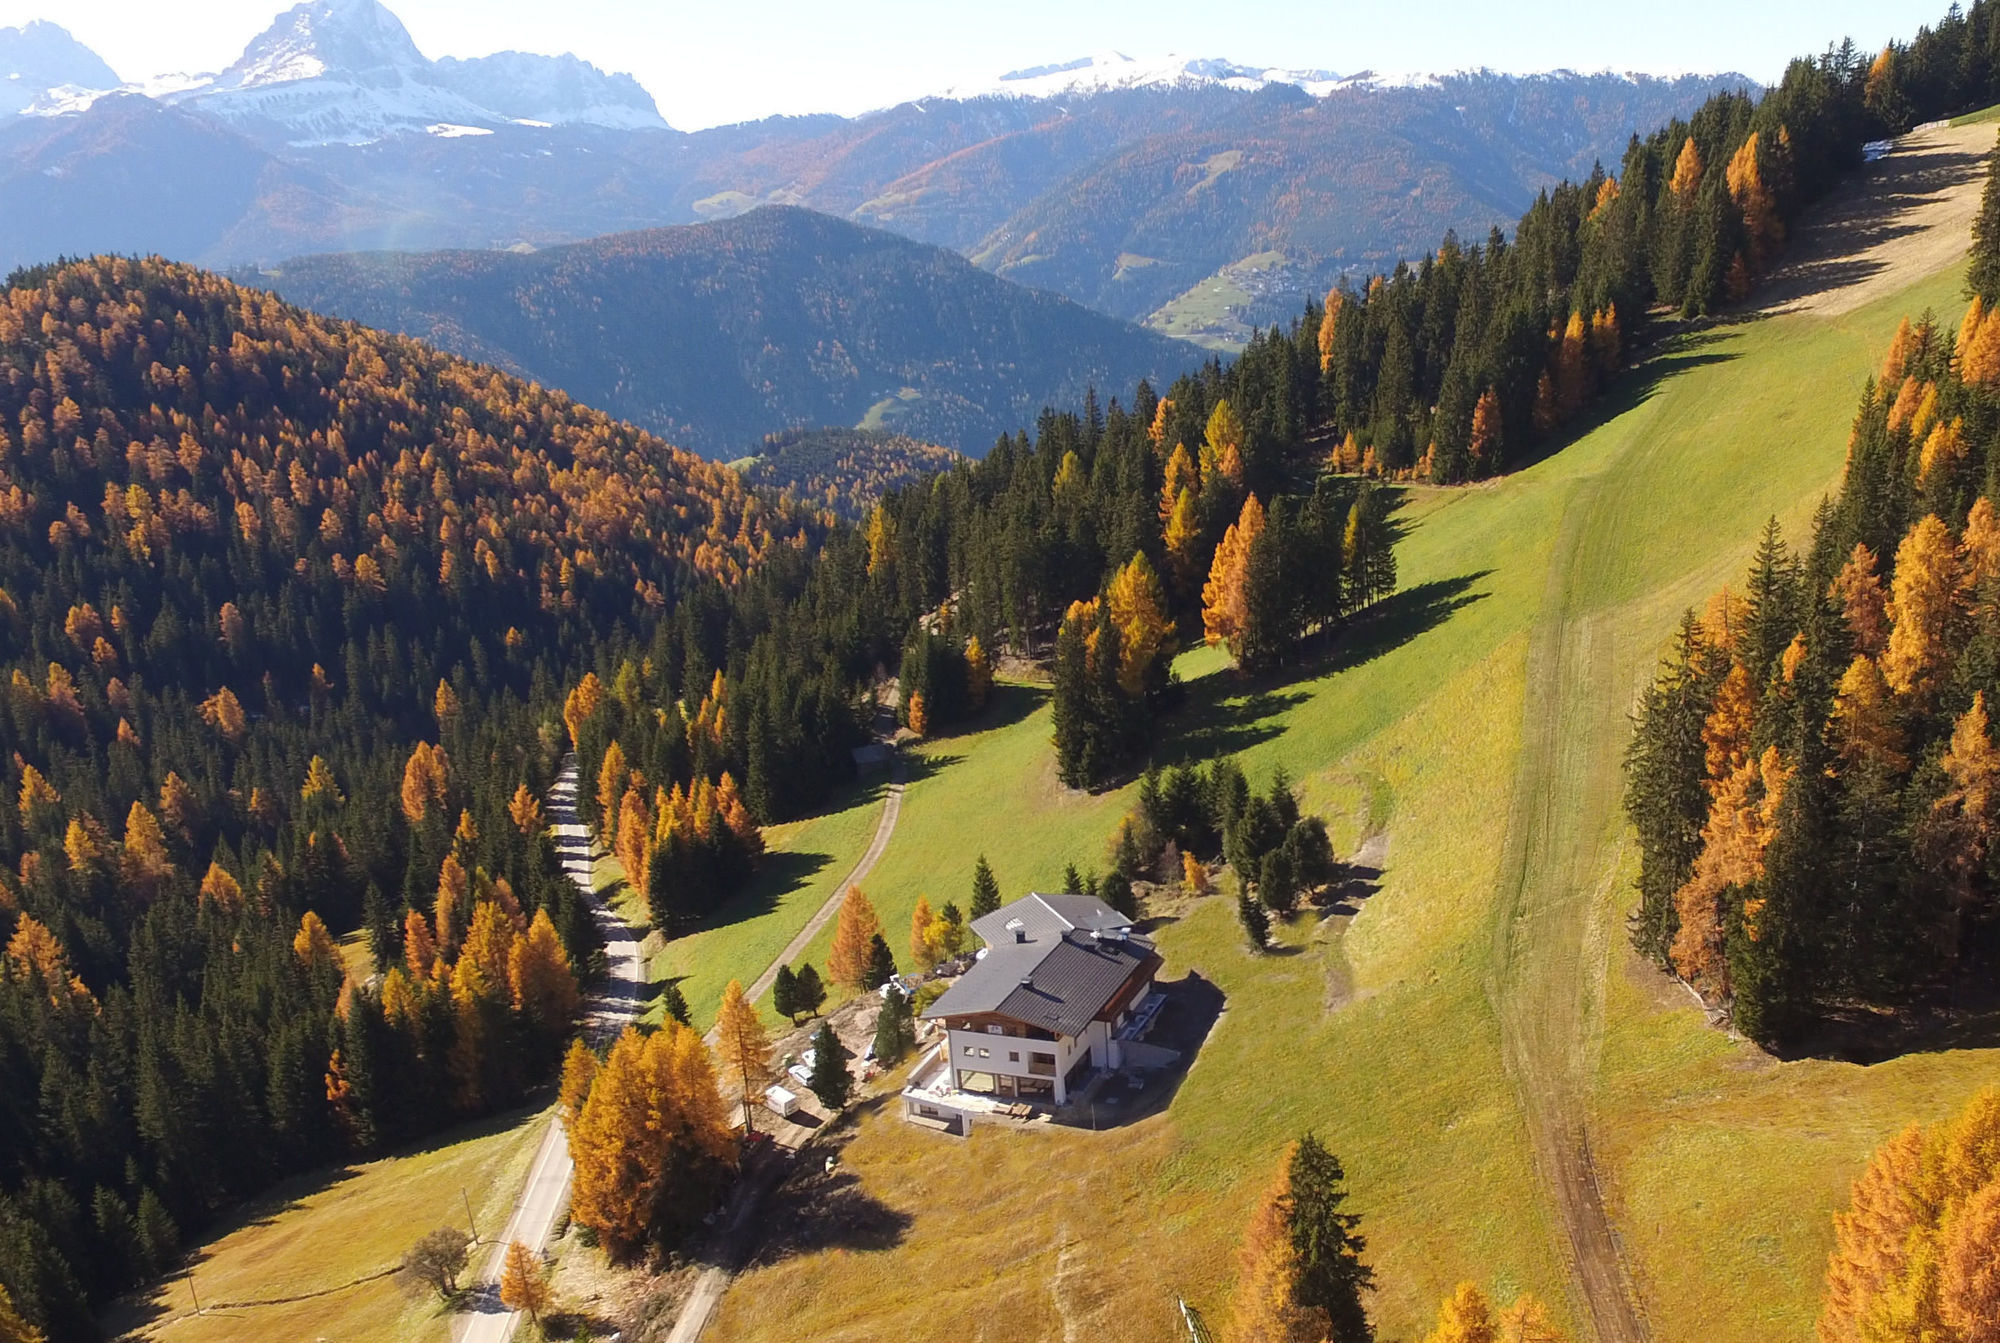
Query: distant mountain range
[(715, 336), (1194, 194)]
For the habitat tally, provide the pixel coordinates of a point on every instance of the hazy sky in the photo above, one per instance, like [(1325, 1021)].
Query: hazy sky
[(720, 61)]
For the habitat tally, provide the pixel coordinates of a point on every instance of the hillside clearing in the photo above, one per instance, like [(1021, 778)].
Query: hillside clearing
[(1902, 218), (1499, 1027), (326, 1240)]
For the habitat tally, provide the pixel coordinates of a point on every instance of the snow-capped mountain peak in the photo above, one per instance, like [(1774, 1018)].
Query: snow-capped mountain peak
[(553, 90), (357, 39)]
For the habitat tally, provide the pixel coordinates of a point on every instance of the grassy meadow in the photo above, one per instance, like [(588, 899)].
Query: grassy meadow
[(319, 1236), (1482, 716)]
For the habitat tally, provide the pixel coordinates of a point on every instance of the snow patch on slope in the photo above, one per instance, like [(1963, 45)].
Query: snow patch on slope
[(1115, 70), (42, 59)]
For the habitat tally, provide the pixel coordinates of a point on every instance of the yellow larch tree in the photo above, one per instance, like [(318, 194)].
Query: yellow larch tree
[(1223, 596), (613, 778), (1266, 1307), (1485, 442), (1183, 541), (38, 797), (1329, 327), (143, 863), (1863, 603), (419, 947), (525, 810), (426, 781), (1733, 840), (579, 1072), (14, 1329), (743, 1046), (1969, 1292), (580, 705), (522, 1284), (221, 891), (313, 944), (1181, 477), (921, 918), (1465, 1317), (1222, 446), (1139, 611), (978, 673), (1687, 172), (1922, 606), (319, 787), (1865, 730), (1726, 733), (854, 928), (541, 977)]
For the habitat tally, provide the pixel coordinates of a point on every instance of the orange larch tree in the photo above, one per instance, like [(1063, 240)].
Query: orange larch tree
[(854, 928)]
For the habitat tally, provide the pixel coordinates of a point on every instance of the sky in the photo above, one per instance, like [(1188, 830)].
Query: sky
[(709, 63)]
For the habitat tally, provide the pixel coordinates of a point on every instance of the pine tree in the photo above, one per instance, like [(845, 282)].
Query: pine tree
[(985, 889), (674, 1003), (1255, 921), (811, 993), (831, 1082), (854, 928), (1331, 1275), (522, 1285), (1070, 711), (743, 1045), (881, 963), (785, 994), (895, 1029), (1982, 274)]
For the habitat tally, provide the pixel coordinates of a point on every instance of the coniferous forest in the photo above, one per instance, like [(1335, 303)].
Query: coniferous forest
[(1813, 772)]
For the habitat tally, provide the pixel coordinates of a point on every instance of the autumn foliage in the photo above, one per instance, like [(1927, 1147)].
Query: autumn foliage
[(855, 927), (651, 1141), (1917, 1252)]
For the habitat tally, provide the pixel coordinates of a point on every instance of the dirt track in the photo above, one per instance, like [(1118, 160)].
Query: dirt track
[(1906, 216)]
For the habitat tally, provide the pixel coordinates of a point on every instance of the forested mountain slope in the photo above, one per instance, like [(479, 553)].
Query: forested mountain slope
[(286, 610), (715, 335)]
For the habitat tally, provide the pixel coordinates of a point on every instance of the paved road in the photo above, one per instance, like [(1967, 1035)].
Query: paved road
[(892, 807), (611, 1005)]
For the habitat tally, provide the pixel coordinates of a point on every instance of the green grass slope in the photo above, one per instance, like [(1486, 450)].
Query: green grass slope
[(1484, 1005)]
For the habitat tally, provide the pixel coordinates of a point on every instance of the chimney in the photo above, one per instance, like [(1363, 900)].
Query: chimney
[(1018, 929)]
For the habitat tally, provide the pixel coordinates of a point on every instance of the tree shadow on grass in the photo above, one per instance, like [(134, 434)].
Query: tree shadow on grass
[(821, 1205), (778, 875), (1007, 703), (1685, 348), (1868, 1037), (1226, 713)]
